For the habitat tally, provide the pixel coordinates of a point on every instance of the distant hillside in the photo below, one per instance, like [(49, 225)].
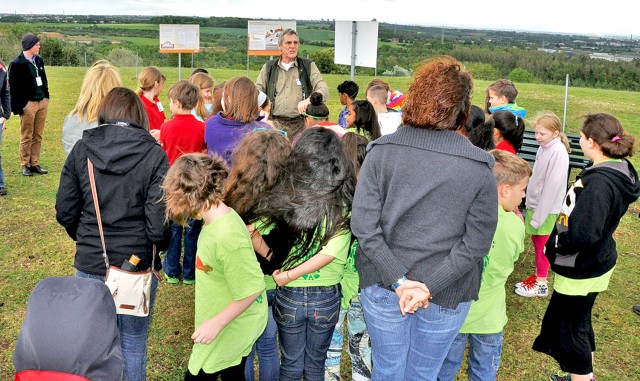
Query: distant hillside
[(591, 61)]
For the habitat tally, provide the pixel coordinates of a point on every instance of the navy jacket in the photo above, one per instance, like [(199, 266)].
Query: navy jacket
[(5, 96)]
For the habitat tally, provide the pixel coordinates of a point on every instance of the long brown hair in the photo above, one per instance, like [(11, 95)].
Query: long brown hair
[(241, 100), (257, 162), (202, 81)]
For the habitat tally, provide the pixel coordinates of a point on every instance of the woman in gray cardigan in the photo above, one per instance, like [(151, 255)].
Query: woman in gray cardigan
[(424, 213)]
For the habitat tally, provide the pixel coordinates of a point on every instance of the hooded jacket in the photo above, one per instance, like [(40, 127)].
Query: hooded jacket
[(581, 245), (70, 327), (129, 168)]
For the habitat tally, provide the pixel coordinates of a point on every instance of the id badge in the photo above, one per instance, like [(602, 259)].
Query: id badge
[(39, 81), (298, 82), (160, 108)]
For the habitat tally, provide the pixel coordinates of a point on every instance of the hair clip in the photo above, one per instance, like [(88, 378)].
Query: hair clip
[(615, 138), (516, 120)]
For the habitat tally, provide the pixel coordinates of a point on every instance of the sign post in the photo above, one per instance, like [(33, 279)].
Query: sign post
[(356, 44), (179, 38), (263, 37)]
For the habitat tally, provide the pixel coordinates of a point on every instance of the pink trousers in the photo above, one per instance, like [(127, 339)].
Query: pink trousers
[(542, 263)]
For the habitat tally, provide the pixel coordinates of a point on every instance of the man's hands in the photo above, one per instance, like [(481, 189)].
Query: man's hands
[(412, 295), (302, 105), (3, 123)]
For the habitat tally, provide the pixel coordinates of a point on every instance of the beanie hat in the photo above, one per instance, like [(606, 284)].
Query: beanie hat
[(28, 41)]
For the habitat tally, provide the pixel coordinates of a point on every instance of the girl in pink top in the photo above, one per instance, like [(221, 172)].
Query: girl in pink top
[(545, 193)]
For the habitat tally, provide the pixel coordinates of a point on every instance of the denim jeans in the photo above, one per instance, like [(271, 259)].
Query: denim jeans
[(133, 335), (267, 348), (1, 173), (172, 257), (411, 347), (306, 318), (484, 357), (359, 348)]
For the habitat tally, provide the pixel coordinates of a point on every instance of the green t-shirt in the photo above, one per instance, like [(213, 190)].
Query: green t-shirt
[(350, 281), (582, 287), (488, 314), (227, 270), (264, 229), (331, 274)]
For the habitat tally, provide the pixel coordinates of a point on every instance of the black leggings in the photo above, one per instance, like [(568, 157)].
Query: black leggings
[(233, 373)]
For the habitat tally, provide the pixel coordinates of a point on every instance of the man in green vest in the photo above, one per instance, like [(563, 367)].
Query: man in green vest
[(289, 80)]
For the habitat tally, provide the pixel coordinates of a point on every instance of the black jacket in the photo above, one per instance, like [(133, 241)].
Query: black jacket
[(22, 83), (129, 168), (581, 244), (5, 97)]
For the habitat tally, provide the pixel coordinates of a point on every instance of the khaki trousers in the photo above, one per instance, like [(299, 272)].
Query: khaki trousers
[(31, 129)]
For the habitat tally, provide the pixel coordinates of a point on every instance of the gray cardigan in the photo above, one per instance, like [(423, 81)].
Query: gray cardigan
[(425, 207)]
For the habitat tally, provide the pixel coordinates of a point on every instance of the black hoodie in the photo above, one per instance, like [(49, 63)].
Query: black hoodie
[(581, 245), (71, 327), (129, 168)]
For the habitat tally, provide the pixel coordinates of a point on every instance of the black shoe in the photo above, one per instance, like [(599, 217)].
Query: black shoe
[(3, 191), (26, 171), (38, 170), (636, 309)]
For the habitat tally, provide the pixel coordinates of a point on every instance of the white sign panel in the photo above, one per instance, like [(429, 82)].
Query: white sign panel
[(179, 38), (366, 43), (263, 36)]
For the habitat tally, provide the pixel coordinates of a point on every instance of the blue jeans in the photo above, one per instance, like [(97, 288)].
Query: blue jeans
[(133, 335), (1, 173), (267, 348), (306, 318), (411, 347), (484, 357), (171, 262), (359, 348)]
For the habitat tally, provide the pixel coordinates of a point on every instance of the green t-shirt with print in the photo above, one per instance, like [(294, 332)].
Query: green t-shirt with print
[(488, 314), (227, 270), (331, 274)]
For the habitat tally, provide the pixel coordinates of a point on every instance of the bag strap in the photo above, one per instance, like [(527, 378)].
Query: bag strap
[(94, 193), (97, 206)]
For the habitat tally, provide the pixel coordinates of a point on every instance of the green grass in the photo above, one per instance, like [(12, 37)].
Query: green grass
[(33, 245)]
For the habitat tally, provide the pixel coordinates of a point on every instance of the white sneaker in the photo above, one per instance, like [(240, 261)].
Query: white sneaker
[(532, 279), (529, 290)]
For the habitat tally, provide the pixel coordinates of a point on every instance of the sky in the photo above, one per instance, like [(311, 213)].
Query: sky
[(613, 17)]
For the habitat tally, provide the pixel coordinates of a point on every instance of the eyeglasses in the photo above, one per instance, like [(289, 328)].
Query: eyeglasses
[(283, 132)]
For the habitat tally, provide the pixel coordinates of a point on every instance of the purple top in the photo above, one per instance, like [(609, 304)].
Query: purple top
[(222, 135)]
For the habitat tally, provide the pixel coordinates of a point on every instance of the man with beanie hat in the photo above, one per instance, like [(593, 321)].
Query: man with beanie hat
[(30, 99)]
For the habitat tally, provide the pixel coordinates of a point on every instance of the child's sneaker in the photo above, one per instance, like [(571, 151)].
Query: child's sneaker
[(532, 279), (188, 282), (171, 280), (567, 377), (533, 289)]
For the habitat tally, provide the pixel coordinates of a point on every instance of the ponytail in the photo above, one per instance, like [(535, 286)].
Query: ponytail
[(565, 141), (608, 133)]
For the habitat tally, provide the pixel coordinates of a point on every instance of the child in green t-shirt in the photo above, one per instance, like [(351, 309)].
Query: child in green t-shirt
[(487, 315), (230, 302), (309, 211)]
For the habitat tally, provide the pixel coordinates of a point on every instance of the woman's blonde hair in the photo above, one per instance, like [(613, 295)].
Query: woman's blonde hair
[(194, 184), (148, 78), (202, 82), (551, 122), (98, 81)]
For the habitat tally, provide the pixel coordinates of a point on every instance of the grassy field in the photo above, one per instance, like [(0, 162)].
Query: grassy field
[(34, 246)]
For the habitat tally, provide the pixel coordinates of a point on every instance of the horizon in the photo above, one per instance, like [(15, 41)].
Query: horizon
[(548, 16)]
